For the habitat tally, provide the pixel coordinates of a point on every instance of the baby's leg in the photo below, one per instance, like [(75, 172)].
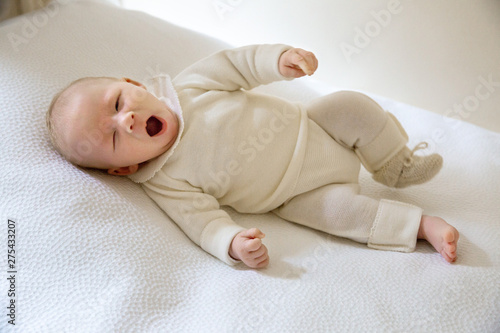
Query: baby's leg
[(340, 210), (359, 123), (351, 118)]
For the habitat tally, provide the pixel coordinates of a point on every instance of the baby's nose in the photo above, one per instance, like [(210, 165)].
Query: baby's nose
[(126, 121)]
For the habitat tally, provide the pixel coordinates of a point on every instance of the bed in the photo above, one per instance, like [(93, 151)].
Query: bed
[(94, 254)]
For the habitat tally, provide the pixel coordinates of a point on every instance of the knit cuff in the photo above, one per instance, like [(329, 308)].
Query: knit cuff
[(217, 237), (395, 227), (388, 143), (268, 69)]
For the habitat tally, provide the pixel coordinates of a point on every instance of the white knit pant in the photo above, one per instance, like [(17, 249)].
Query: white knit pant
[(329, 200)]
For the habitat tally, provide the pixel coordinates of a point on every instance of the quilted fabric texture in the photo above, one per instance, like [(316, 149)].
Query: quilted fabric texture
[(95, 254)]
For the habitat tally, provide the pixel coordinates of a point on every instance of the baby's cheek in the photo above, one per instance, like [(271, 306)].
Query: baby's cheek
[(135, 97), (105, 125)]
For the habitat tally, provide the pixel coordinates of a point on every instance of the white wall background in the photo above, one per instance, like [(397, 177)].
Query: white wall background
[(440, 55)]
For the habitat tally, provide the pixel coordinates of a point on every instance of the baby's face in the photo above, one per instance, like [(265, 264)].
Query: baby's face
[(117, 125)]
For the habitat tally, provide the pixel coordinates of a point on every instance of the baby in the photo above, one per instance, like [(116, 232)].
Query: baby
[(203, 140)]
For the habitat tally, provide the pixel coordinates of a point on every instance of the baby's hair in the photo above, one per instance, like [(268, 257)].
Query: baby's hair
[(56, 110)]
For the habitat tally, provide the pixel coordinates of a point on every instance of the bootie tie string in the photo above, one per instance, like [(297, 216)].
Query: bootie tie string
[(409, 160)]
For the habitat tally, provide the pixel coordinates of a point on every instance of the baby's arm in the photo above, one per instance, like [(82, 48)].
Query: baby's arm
[(246, 67), (247, 246), (198, 214)]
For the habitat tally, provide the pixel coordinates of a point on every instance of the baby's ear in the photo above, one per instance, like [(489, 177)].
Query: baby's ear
[(126, 79), (124, 171)]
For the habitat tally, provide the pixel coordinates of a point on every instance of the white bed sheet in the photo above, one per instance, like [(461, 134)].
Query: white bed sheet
[(95, 254)]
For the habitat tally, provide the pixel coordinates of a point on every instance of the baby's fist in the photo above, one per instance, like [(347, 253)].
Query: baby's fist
[(297, 62), (247, 246)]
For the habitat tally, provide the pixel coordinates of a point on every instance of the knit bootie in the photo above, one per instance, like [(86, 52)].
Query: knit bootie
[(406, 169)]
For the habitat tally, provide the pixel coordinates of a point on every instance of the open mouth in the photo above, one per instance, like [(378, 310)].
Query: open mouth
[(155, 126)]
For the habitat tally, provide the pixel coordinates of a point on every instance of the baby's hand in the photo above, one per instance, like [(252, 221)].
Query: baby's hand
[(297, 62), (247, 246)]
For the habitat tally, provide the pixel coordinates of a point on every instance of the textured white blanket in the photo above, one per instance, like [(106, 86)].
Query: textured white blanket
[(95, 254)]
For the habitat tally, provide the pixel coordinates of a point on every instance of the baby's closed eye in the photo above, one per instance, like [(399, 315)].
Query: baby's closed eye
[(117, 105)]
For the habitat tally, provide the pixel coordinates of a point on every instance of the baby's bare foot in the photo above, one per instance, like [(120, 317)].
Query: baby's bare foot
[(441, 235)]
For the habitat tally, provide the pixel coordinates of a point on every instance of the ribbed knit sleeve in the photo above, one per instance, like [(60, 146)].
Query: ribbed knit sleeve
[(245, 67), (198, 214)]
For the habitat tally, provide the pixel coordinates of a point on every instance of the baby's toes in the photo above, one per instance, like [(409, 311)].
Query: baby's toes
[(451, 247), (451, 251), (449, 235), (445, 255)]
